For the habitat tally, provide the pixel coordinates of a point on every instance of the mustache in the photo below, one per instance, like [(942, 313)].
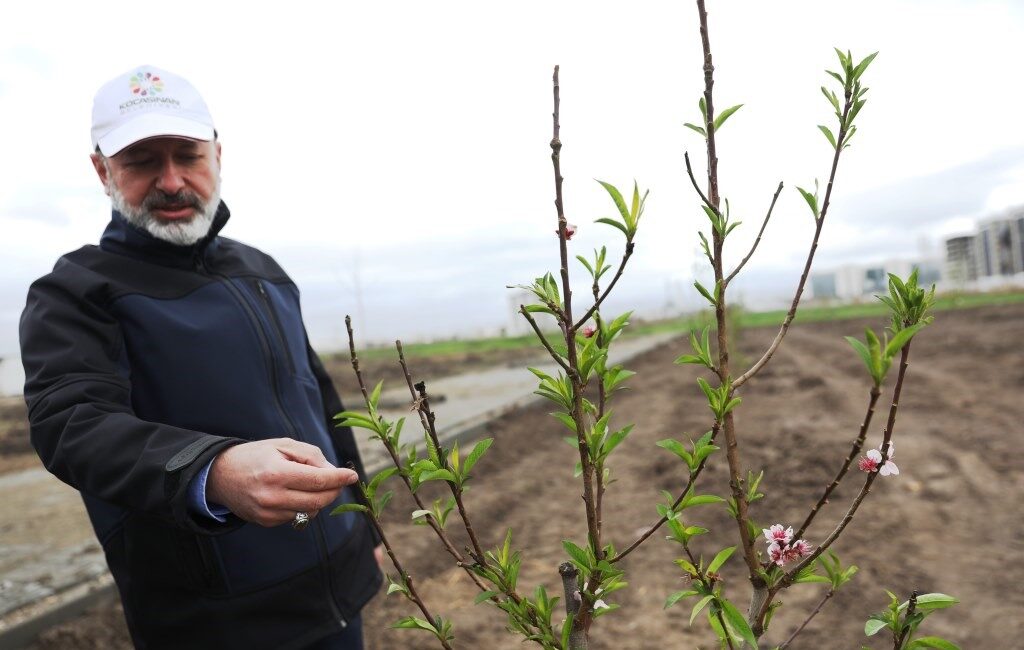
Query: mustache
[(160, 200)]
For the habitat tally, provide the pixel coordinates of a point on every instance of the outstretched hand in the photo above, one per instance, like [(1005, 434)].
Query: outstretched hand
[(268, 481)]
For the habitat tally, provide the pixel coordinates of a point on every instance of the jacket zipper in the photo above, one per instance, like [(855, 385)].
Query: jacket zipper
[(277, 324), (201, 268)]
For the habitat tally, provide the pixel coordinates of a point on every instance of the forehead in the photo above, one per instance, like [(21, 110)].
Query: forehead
[(162, 145)]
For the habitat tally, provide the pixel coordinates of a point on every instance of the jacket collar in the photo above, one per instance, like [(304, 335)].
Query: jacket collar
[(123, 238)]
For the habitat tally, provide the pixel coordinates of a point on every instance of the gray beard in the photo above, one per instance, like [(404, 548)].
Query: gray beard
[(179, 232)]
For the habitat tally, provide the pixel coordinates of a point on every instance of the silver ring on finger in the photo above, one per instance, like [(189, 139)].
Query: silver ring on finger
[(301, 521)]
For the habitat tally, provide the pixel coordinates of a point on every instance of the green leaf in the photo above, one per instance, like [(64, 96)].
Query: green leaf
[(412, 623), (703, 499), (378, 478), (348, 507), (613, 222), (704, 292), (437, 475), (724, 115), (933, 601), (901, 338), (863, 65), (873, 626), (828, 135), (676, 448), (735, 620), (476, 454), (701, 604), (586, 263), (932, 642), (679, 595), (831, 97), (620, 203), (696, 128), (578, 555), (375, 395), (863, 351), (485, 595), (720, 559), (812, 201), (702, 105)]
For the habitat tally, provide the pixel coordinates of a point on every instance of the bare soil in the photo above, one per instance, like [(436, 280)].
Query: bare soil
[(951, 522)]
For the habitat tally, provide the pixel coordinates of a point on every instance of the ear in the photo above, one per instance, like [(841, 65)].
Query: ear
[(217, 147), (102, 171)]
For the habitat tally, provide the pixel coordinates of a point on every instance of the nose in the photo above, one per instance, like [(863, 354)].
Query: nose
[(171, 179)]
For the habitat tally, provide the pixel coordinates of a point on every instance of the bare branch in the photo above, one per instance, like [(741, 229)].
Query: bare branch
[(854, 450), (790, 576), (598, 301), (693, 181), (819, 222), (406, 578), (658, 524), (393, 453), (759, 233), (540, 335), (828, 595)]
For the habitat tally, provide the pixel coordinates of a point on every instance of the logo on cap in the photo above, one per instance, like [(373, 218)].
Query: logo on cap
[(145, 83)]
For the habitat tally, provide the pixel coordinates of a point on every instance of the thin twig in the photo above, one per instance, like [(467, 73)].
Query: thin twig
[(693, 181), (854, 450), (658, 524), (406, 578), (598, 301), (544, 341), (582, 622), (424, 406), (355, 359), (828, 595), (911, 608), (819, 222), (758, 240), (790, 576), (709, 585), (435, 525), (713, 199)]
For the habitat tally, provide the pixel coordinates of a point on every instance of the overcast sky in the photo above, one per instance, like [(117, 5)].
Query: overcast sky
[(393, 156)]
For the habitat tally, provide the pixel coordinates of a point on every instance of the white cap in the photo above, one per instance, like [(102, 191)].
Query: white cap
[(147, 102)]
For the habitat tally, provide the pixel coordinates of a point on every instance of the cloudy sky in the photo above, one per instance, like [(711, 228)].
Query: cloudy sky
[(394, 156)]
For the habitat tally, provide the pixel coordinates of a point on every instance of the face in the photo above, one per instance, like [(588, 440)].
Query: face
[(168, 186)]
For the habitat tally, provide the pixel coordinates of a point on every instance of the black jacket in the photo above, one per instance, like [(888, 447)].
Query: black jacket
[(143, 360)]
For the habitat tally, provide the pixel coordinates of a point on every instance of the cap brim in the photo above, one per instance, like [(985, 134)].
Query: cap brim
[(153, 125)]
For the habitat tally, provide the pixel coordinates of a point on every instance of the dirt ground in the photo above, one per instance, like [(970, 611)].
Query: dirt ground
[(951, 522)]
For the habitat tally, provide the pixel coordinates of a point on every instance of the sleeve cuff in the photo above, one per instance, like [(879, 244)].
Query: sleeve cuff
[(197, 502)]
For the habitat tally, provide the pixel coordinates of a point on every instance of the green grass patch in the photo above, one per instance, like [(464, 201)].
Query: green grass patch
[(455, 347)]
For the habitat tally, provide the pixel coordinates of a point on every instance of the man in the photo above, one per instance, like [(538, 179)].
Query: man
[(170, 380)]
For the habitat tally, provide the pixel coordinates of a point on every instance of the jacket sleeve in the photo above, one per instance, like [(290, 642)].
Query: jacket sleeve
[(344, 440), (78, 392)]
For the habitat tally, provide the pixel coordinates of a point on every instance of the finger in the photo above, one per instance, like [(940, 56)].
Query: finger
[(301, 452), (305, 478), (271, 518)]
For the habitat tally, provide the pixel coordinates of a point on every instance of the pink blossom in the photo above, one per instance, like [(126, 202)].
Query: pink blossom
[(872, 462), (777, 534), (867, 464), (802, 547), (589, 331), (570, 230), (798, 549), (777, 554)]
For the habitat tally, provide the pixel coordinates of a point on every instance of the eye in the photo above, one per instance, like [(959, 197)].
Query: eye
[(140, 162)]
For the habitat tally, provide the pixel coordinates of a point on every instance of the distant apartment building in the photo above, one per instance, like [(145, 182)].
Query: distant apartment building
[(860, 281), (992, 255)]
